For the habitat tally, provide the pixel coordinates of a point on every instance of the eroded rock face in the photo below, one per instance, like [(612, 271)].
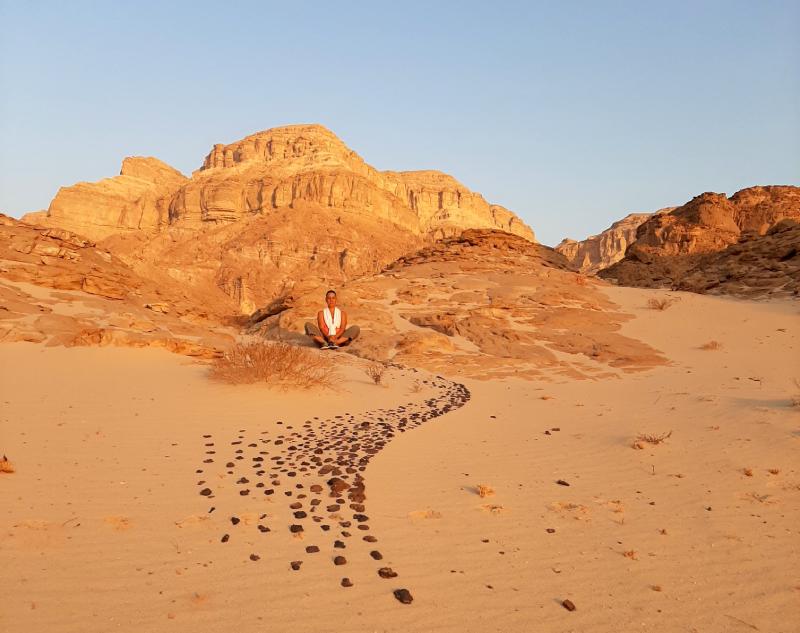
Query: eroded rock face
[(606, 248), (669, 245), (59, 288), (483, 304), (757, 266), (136, 200), (278, 208)]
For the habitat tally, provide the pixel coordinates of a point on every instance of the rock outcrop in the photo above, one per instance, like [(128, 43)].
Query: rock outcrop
[(600, 251), (756, 267), (278, 208), (59, 288), (669, 245), (483, 304), (136, 200)]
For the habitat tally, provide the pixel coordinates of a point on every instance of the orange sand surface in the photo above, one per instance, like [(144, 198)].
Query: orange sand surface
[(102, 527)]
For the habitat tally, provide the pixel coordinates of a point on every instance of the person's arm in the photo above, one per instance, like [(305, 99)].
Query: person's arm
[(342, 325), (321, 324)]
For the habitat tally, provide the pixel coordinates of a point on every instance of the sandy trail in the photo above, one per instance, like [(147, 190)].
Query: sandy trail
[(103, 527)]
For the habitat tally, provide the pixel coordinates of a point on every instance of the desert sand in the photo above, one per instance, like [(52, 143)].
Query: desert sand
[(127, 508)]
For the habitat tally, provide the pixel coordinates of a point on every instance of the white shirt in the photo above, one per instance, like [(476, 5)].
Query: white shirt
[(332, 323)]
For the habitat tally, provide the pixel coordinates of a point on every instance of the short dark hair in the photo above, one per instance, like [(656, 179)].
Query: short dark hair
[(330, 292)]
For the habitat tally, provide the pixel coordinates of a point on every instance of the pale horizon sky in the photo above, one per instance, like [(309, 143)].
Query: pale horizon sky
[(570, 114)]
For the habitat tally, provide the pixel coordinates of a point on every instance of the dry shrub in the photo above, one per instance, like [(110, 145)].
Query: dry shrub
[(416, 386), (484, 490), (711, 346), (795, 399), (280, 364), (659, 304), (773, 471), (6, 466), (375, 371), (645, 438), (748, 472), (632, 554)]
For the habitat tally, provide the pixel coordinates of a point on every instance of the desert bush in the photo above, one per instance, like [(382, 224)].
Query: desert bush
[(795, 399), (484, 491), (280, 364), (6, 466), (645, 438), (659, 304), (375, 371), (711, 345)]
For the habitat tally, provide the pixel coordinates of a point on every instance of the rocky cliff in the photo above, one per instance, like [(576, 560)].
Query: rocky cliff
[(669, 245), (600, 251), (276, 209)]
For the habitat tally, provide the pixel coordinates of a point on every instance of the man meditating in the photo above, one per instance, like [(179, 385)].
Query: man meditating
[(331, 331)]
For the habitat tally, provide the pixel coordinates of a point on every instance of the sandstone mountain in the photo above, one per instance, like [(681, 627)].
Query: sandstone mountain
[(669, 245), (283, 207), (608, 247), (483, 304)]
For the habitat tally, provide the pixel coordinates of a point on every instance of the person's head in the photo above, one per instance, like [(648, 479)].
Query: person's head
[(330, 298)]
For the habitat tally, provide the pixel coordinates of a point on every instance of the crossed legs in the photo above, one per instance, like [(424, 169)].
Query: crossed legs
[(345, 338)]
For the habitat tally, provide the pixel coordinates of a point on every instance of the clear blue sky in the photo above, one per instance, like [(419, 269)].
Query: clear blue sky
[(571, 114)]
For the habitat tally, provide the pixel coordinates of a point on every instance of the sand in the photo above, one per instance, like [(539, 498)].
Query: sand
[(103, 526)]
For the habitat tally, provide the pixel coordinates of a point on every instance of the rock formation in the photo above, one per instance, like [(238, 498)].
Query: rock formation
[(288, 204), (669, 245), (600, 251), (61, 289), (757, 266), (483, 304)]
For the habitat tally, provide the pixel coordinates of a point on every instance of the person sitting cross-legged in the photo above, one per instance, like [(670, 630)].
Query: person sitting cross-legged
[(331, 331)]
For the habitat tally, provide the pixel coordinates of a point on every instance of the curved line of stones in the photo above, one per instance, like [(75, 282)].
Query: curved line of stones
[(326, 457)]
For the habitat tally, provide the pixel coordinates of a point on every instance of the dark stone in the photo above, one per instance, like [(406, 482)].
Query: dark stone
[(225, 538), (387, 572), (296, 564), (404, 596), (568, 605), (312, 549), (205, 492), (376, 555), (294, 529), (346, 582), (561, 482), (339, 560)]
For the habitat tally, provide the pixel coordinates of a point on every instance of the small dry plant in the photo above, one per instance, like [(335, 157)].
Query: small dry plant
[(795, 399), (711, 346), (280, 364), (375, 371), (632, 554), (484, 490), (645, 438), (659, 304), (6, 466)]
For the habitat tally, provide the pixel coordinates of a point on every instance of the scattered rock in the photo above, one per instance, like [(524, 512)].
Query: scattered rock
[(404, 596)]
